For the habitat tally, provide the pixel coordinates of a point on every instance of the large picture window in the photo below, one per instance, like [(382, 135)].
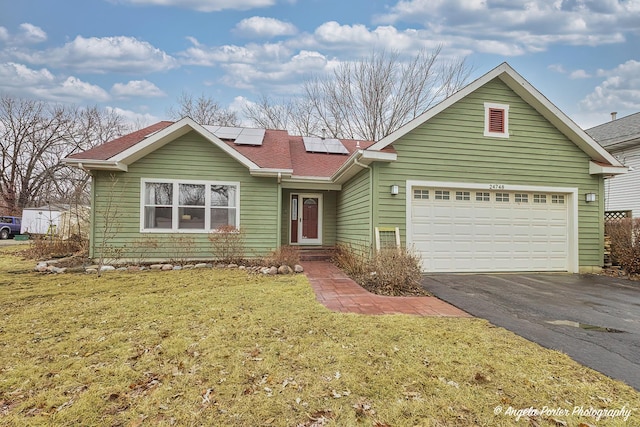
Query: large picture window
[(189, 206)]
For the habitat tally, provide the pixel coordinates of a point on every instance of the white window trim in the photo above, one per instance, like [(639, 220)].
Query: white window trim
[(175, 205), (505, 107)]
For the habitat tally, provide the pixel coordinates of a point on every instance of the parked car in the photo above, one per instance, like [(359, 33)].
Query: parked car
[(9, 226)]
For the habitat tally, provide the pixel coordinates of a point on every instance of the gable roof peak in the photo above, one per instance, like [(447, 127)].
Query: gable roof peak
[(518, 84)]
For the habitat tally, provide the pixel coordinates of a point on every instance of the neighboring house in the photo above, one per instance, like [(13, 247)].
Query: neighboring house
[(494, 178), (61, 220), (621, 137)]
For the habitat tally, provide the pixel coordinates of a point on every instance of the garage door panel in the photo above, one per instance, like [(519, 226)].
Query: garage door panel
[(494, 235)]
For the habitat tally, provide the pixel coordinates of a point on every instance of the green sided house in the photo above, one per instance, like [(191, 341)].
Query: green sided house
[(494, 178)]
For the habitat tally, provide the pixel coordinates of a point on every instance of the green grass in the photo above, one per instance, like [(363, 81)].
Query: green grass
[(213, 347)]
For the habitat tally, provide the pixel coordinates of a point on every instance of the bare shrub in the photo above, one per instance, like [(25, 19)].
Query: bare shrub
[(352, 259), (141, 247), (395, 272), (227, 244), (625, 243), (387, 272), (48, 247), (284, 255), (183, 247)]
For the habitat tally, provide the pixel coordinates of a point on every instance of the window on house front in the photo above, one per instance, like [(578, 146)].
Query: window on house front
[(539, 198), (557, 199), (189, 206), (421, 194), (442, 195), (521, 198), (463, 195), (483, 197), (496, 121), (502, 197)]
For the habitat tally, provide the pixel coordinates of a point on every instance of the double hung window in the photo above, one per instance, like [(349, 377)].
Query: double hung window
[(189, 206)]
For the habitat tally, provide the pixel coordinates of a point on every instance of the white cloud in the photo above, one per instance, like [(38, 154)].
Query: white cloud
[(136, 88), (579, 74), (199, 54), (258, 26), (21, 80), (103, 55), (204, 5), (4, 34), (558, 68), (620, 91), (135, 119), (530, 25), (32, 34)]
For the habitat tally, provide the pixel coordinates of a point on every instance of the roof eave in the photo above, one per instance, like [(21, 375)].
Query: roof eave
[(607, 170), (170, 133), (359, 160), (87, 165)]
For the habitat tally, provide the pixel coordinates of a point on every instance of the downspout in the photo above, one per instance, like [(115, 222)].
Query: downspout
[(362, 165), (279, 213)]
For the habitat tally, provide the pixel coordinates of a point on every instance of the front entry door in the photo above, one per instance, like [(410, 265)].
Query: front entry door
[(309, 219)]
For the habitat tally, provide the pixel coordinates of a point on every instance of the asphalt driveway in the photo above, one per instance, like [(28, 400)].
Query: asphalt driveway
[(557, 311)]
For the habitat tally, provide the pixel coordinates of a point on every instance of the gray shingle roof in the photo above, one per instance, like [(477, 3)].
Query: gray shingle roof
[(626, 129)]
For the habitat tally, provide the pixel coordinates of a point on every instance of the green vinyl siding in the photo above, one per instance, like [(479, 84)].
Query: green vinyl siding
[(451, 147), (190, 157), (354, 213)]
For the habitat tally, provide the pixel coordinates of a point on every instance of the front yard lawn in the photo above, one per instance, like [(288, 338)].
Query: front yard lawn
[(222, 347)]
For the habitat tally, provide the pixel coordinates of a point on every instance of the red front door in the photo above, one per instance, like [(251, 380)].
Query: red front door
[(306, 219), (309, 218)]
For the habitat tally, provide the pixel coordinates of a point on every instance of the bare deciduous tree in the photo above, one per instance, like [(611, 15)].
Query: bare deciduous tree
[(296, 115), (366, 99), (34, 137), (204, 110)]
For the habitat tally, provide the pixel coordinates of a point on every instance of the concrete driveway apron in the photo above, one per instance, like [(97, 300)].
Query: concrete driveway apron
[(594, 319)]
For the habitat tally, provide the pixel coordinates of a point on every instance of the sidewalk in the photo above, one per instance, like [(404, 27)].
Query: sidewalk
[(339, 293)]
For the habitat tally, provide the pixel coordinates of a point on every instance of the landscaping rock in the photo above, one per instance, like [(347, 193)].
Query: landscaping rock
[(177, 267), (298, 268), (284, 269), (155, 266), (41, 267), (273, 271), (91, 270), (242, 267), (121, 269), (232, 266), (134, 268), (201, 265), (167, 267), (107, 268)]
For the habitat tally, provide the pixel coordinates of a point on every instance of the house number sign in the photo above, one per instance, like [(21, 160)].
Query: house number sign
[(496, 186)]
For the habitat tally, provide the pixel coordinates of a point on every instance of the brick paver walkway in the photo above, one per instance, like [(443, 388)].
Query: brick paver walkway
[(339, 293)]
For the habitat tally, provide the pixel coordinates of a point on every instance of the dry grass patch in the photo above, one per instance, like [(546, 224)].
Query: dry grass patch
[(220, 347)]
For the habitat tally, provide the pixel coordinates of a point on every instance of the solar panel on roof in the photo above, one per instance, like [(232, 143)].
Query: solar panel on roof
[(241, 136), (334, 146), (227, 132), (323, 145), (250, 137)]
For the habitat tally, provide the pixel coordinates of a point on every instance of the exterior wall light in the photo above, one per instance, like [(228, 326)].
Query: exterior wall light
[(590, 197), (394, 190)]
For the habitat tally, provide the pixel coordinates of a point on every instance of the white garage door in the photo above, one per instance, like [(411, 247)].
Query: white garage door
[(461, 230)]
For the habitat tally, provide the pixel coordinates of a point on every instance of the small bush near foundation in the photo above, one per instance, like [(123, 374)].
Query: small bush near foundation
[(284, 255), (625, 243), (227, 245), (48, 247), (387, 272)]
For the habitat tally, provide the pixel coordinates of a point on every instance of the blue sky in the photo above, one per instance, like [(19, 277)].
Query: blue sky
[(138, 56)]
